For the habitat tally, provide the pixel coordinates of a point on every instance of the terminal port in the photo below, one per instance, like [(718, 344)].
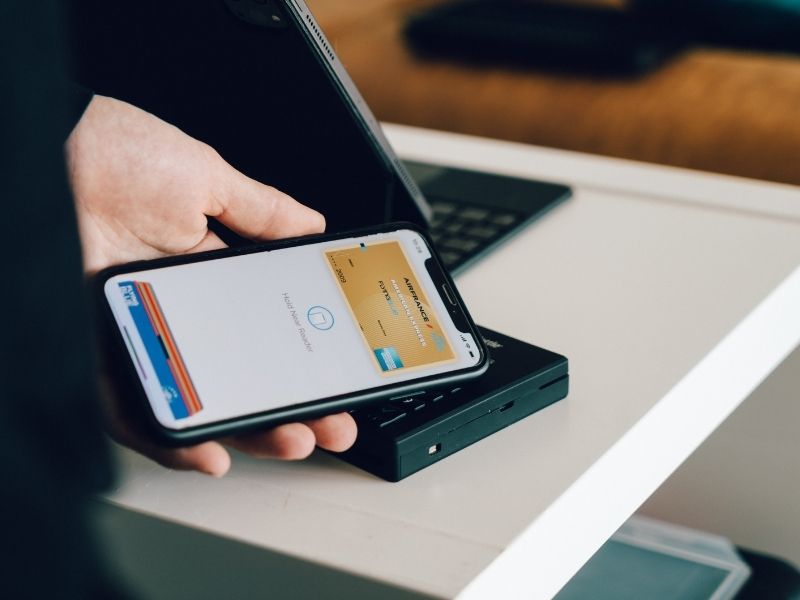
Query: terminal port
[(434, 449), (506, 406)]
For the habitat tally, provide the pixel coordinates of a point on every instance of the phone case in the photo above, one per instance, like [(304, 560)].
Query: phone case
[(128, 383)]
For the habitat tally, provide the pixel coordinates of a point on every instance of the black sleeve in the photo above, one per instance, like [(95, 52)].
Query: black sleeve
[(53, 453), (78, 99)]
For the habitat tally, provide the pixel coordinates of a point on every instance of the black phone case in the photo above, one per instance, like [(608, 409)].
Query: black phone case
[(127, 381), (400, 437)]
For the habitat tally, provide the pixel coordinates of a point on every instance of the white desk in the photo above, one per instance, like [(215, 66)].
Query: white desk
[(672, 293)]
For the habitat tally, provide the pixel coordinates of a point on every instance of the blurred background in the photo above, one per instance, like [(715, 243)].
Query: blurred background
[(704, 84)]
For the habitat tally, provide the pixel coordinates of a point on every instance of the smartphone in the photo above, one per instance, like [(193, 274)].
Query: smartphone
[(225, 341)]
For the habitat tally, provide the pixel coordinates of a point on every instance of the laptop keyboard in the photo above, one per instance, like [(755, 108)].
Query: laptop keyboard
[(462, 230)]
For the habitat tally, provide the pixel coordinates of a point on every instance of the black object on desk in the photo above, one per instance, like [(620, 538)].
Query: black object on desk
[(406, 434), (583, 38), (770, 577), (762, 25), (474, 212)]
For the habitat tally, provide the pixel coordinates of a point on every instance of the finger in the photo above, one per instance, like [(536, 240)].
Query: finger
[(334, 432), (210, 457), (210, 241), (294, 441), (258, 211)]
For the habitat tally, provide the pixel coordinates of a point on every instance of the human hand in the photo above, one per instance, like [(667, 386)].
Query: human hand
[(143, 189)]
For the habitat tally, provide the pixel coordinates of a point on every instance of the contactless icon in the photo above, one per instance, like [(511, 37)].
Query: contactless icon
[(320, 317), (439, 342)]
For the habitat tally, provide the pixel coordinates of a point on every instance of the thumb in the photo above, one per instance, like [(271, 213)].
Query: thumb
[(261, 212)]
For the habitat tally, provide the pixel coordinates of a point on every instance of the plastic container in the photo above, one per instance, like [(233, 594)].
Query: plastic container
[(646, 558)]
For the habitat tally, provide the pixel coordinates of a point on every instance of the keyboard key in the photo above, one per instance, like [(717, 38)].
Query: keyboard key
[(482, 232), (460, 245), (386, 415), (454, 228), (383, 411), (411, 395), (504, 219), (474, 214), (390, 420), (450, 258), (443, 208), (410, 404)]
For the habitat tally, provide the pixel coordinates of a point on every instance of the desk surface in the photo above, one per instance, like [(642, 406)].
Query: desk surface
[(673, 294)]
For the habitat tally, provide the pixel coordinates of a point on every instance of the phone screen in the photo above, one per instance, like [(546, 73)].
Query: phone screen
[(239, 335)]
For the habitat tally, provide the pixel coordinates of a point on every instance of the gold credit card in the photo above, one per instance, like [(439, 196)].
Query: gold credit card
[(387, 301)]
